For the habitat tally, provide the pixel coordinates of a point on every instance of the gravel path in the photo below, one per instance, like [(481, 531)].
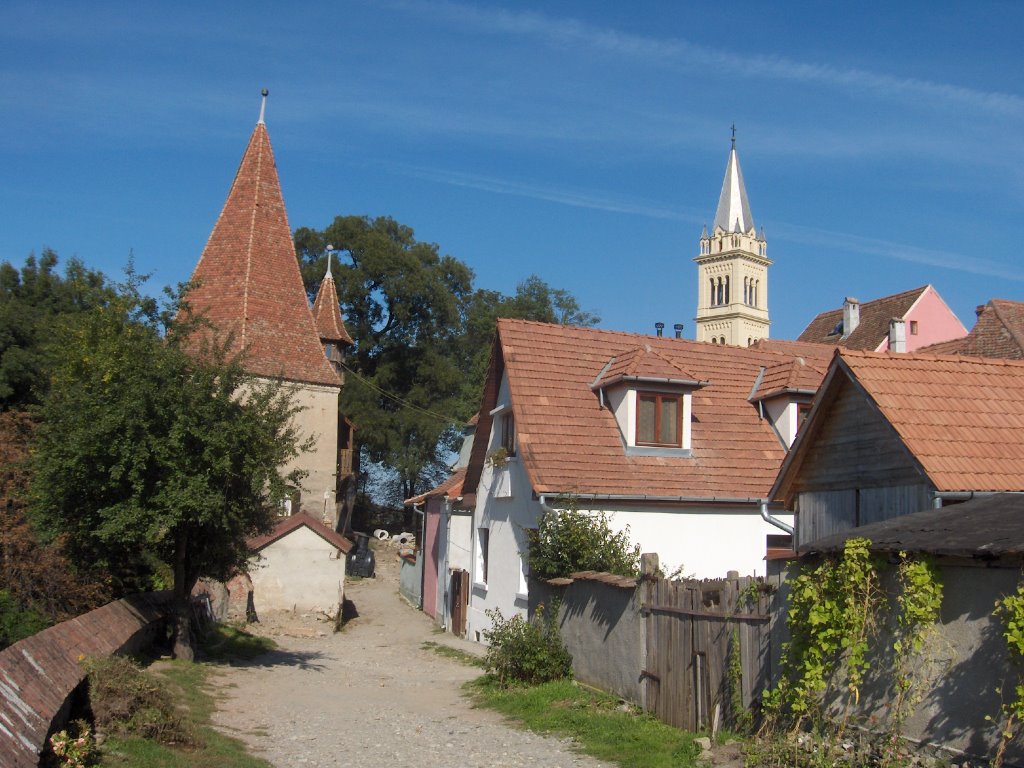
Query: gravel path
[(370, 695)]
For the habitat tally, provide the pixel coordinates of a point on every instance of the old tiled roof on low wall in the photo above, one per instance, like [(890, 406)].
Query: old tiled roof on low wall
[(38, 674)]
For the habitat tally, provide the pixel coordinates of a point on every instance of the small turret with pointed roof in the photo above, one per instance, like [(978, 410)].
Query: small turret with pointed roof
[(732, 268), (329, 322), (247, 281)]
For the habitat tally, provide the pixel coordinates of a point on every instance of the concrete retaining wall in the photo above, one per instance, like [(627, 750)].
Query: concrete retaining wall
[(602, 628), (410, 579), (39, 674)]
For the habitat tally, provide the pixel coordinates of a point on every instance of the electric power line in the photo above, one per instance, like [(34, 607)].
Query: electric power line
[(400, 401)]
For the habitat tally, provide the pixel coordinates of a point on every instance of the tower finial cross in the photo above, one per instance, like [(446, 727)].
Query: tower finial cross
[(734, 135)]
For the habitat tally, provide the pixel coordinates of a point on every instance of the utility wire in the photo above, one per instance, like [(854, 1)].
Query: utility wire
[(400, 401)]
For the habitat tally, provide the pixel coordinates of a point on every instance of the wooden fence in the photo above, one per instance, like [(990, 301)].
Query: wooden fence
[(708, 646)]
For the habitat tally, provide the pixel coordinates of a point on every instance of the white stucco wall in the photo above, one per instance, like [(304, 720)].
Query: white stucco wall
[(704, 541), (505, 518), (318, 419), (300, 571)]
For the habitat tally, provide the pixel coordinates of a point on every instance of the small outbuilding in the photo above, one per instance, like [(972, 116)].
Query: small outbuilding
[(300, 566)]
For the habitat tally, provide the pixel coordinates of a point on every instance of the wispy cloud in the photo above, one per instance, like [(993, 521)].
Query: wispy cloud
[(793, 233), (549, 193), (889, 249), (681, 52)]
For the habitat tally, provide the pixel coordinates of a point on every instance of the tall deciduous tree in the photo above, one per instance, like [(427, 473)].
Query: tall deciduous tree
[(403, 303), (422, 335), (146, 451), (31, 301)]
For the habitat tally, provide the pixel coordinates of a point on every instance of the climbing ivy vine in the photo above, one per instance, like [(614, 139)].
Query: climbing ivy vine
[(832, 609), (1011, 610), (917, 611)]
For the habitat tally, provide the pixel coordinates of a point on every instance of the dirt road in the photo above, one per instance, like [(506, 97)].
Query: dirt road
[(370, 695)]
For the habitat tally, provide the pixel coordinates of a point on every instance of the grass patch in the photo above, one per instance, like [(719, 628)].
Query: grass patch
[(455, 654), (187, 684), (597, 722)]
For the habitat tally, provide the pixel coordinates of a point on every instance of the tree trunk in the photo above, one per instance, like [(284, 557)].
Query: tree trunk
[(183, 642)]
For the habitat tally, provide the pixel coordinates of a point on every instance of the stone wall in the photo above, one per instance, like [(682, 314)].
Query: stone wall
[(39, 674)]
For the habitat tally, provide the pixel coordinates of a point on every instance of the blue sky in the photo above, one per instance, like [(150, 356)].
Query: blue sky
[(882, 148)]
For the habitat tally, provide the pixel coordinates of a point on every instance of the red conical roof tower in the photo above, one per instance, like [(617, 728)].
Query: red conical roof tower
[(248, 281), (327, 310)]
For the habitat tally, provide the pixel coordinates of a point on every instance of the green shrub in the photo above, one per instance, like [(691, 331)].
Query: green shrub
[(569, 540), (522, 651), (128, 701)]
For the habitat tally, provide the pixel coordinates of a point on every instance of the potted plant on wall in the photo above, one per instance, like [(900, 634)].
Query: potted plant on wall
[(502, 485), (498, 458)]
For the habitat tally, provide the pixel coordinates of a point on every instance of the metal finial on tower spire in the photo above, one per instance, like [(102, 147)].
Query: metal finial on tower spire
[(734, 135), (330, 254), (263, 105)]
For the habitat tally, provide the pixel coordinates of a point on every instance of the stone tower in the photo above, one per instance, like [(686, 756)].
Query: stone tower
[(247, 285), (732, 269)]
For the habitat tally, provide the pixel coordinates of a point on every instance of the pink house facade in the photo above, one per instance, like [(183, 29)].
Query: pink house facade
[(902, 322)]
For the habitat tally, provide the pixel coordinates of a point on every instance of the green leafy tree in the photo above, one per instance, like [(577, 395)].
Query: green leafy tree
[(569, 540), (32, 300), (403, 305), (422, 335), (148, 453)]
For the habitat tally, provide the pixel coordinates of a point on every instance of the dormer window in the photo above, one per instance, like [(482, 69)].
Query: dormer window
[(651, 396), (659, 419)]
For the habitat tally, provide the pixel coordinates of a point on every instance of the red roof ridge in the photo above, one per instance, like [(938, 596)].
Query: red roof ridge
[(247, 281), (999, 306), (286, 525)]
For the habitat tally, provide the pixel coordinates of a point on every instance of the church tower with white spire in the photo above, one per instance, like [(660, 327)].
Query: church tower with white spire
[(732, 269)]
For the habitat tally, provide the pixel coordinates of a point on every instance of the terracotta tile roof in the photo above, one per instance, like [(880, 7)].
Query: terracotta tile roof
[(248, 281), (998, 332), (961, 418), (874, 322), (286, 525), (327, 313), (789, 376), (643, 364), (568, 443), (806, 349), (451, 487)]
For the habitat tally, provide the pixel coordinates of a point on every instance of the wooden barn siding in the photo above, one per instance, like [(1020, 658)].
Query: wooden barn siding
[(857, 472), (823, 513), (691, 628), (855, 448)]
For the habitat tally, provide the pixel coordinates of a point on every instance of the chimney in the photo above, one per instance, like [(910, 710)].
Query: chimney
[(678, 328), (897, 335), (851, 315), (660, 328), (978, 310)]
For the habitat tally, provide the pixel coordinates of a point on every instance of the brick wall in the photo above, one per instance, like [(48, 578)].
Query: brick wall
[(39, 674)]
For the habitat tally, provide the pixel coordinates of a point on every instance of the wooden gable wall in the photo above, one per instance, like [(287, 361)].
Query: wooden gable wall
[(856, 470)]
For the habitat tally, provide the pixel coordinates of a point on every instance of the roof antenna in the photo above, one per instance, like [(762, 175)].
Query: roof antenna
[(263, 106), (733, 135), (330, 253)]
